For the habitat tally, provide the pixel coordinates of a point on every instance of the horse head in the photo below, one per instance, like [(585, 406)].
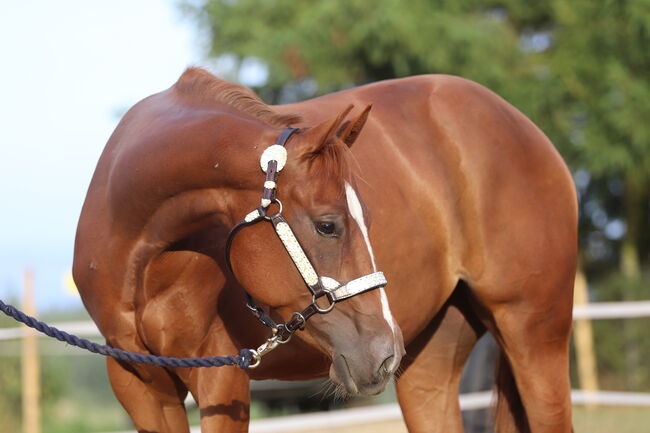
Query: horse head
[(328, 218)]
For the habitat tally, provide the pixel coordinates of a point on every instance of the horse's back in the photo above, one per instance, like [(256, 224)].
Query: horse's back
[(477, 158), (459, 182)]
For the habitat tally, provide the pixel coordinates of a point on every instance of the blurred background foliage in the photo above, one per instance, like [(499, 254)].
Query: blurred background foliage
[(580, 69), (75, 393)]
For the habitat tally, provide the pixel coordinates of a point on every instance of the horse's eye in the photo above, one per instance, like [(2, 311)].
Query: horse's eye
[(326, 228)]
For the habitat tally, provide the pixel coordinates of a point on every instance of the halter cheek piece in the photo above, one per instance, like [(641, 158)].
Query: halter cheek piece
[(272, 162)]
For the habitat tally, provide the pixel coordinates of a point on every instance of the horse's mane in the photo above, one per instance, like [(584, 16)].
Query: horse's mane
[(202, 84)]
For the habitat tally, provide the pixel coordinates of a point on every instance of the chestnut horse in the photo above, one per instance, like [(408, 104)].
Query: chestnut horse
[(455, 195)]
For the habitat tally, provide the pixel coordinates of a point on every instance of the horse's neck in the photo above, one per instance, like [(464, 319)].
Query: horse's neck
[(180, 150), (176, 176)]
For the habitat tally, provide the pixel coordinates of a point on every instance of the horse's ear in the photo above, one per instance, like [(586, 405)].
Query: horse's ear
[(349, 131), (320, 135)]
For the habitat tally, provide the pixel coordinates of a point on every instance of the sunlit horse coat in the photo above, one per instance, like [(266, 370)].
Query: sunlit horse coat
[(455, 195)]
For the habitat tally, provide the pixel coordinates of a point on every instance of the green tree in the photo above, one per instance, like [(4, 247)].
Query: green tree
[(336, 44), (602, 62)]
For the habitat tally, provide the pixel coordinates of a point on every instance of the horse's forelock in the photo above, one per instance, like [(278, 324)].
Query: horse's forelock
[(332, 161)]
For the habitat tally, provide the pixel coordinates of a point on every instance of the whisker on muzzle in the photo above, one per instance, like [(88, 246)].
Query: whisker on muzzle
[(326, 390), (340, 394)]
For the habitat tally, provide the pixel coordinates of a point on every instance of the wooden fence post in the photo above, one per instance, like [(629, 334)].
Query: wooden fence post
[(30, 363), (584, 338)]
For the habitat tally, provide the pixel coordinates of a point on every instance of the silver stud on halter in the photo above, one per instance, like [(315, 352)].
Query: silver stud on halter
[(272, 161), (276, 153)]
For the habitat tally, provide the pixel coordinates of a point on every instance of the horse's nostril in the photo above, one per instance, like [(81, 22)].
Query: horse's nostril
[(386, 365)]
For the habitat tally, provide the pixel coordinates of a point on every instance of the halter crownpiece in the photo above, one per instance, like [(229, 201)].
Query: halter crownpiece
[(272, 161)]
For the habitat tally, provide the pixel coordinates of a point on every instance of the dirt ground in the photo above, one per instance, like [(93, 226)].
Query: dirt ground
[(597, 420), (382, 427)]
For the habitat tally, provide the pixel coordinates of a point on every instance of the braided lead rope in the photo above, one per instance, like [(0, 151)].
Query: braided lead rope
[(243, 361)]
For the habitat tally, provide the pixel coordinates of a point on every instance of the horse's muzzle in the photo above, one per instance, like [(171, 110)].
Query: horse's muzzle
[(361, 372)]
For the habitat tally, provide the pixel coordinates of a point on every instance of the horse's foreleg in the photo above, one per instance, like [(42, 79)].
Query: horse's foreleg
[(428, 387), (183, 290), (222, 393), (150, 395)]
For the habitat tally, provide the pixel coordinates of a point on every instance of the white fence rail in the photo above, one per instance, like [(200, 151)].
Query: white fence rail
[(81, 328), (594, 310), (391, 412), (612, 310)]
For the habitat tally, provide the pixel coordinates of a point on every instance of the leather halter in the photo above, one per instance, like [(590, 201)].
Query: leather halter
[(272, 162)]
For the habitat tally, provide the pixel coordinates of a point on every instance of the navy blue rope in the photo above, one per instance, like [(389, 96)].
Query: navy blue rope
[(242, 361)]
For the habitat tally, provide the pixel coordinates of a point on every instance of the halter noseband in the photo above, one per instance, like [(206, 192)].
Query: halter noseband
[(272, 162)]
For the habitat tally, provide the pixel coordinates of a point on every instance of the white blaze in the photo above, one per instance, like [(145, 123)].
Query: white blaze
[(354, 205)]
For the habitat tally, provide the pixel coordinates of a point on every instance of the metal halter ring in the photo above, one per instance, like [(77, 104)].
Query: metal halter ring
[(277, 214), (323, 310), (280, 340)]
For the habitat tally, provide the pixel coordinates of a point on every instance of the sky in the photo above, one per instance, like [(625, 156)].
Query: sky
[(68, 70)]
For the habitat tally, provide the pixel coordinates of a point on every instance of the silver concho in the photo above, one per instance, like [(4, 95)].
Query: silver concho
[(274, 152)]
